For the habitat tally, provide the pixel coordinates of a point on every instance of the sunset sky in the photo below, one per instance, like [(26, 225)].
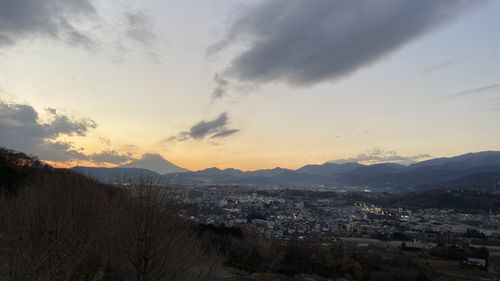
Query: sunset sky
[(249, 84)]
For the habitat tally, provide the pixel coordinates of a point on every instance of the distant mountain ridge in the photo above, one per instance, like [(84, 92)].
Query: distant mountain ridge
[(475, 170), (469, 160), (328, 168)]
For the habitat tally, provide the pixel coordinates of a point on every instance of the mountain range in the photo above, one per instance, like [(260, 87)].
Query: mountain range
[(472, 170)]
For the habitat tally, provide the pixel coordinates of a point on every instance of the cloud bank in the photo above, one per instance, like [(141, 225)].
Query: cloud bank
[(22, 129), (305, 42), (215, 129)]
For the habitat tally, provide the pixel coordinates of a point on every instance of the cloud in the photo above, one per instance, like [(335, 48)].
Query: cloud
[(444, 64), (305, 42), (475, 90), (216, 128), (204, 128), (221, 87), (22, 129), (224, 133), (139, 27), (20, 19), (111, 156), (104, 141), (76, 23), (377, 155)]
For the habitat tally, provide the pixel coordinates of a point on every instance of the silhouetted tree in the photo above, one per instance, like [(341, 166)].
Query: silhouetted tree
[(150, 242)]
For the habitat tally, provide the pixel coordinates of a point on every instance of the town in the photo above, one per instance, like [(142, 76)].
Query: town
[(282, 213), (327, 216)]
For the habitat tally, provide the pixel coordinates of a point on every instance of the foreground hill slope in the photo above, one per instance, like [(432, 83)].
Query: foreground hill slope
[(17, 168), (56, 224)]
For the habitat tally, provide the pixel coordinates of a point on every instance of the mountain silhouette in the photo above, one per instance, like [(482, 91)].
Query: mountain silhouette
[(155, 163)]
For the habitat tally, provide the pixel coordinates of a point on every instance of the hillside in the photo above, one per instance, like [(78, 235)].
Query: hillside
[(16, 168), (71, 227)]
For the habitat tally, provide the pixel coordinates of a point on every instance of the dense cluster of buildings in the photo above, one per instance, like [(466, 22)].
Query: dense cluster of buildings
[(352, 218)]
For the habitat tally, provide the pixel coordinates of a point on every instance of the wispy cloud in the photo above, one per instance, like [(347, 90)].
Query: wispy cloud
[(224, 133), (496, 107), (224, 86), (111, 156), (139, 27), (76, 23), (475, 90), (221, 87), (444, 64)]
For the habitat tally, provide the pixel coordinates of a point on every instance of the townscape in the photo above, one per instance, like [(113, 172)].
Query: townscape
[(281, 214), (327, 216)]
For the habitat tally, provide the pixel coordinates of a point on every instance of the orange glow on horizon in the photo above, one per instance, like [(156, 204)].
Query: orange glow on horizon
[(191, 166), (71, 164)]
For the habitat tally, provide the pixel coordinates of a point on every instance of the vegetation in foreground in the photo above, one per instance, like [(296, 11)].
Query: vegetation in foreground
[(57, 225)]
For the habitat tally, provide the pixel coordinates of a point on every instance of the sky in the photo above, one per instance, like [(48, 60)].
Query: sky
[(249, 84)]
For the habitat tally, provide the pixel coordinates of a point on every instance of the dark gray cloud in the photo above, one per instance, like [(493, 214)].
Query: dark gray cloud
[(204, 128), (22, 129), (377, 155), (304, 42), (20, 19), (111, 156), (216, 128), (64, 125), (224, 133), (475, 90)]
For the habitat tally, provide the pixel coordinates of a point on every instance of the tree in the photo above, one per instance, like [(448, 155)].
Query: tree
[(150, 242), (351, 267), (51, 229)]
